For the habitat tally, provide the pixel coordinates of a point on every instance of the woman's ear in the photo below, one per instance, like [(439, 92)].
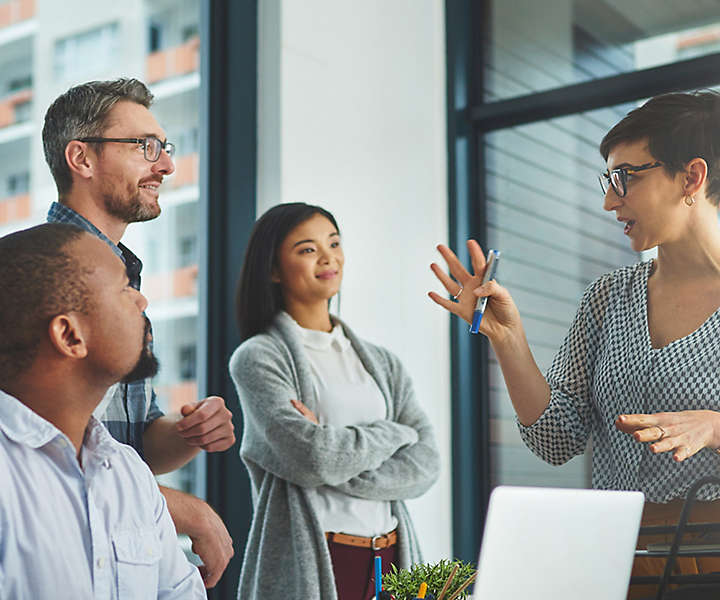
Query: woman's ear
[(274, 275), (695, 176), (67, 336), (78, 160)]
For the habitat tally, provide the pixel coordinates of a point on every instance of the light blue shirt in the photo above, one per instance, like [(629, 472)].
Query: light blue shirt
[(95, 529)]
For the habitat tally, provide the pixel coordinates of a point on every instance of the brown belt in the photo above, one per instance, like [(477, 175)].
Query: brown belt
[(377, 542)]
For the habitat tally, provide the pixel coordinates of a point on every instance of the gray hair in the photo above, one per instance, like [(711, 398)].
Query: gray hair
[(80, 112)]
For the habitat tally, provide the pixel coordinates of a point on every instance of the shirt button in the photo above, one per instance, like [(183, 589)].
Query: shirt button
[(100, 562)]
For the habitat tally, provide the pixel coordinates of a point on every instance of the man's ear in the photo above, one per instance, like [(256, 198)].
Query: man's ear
[(695, 176), (79, 159), (67, 336)]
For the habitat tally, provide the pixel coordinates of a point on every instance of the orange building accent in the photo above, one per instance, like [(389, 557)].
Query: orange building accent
[(711, 36), (179, 60), (179, 394), (186, 170), (185, 281), (15, 11), (15, 208), (181, 283), (7, 106)]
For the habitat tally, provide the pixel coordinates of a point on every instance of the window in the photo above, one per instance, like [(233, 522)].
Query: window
[(18, 183), (155, 32), (89, 53), (529, 101), (188, 362)]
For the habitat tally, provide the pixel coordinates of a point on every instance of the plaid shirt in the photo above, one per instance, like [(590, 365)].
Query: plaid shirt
[(132, 406)]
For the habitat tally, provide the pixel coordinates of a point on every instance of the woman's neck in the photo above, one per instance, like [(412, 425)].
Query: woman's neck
[(314, 316), (695, 257)]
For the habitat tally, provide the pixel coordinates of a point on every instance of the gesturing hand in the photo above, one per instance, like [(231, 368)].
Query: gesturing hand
[(501, 313), (208, 424), (684, 433)]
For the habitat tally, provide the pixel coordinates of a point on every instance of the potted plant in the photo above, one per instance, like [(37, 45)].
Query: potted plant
[(446, 580)]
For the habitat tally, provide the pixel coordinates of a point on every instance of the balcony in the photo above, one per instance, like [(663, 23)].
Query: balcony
[(15, 11), (179, 60), (14, 108), (179, 394), (181, 283), (15, 208), (186, 171)]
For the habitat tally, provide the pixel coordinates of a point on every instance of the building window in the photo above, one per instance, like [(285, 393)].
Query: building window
[(86, 53), (18, 184), (155, 37), (188, 251), (187, 362), (19, 83)]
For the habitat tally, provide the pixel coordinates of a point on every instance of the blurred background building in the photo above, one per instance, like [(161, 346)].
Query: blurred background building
[(45, 48)]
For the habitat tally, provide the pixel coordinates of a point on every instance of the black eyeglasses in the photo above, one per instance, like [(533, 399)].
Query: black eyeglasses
[(152, 146), (618, 178)]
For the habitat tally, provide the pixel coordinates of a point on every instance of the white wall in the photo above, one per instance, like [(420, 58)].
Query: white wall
[(352, 118)]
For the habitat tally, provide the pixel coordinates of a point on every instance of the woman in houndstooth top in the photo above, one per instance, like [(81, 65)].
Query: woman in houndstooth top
[(639, 370)]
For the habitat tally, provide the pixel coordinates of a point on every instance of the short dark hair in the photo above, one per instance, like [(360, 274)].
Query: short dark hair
[(80, 112), (39, 280), (678, 128), (258, 298)]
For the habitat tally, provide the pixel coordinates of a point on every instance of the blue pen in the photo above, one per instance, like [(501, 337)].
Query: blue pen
[(493, 257), (378, 575)]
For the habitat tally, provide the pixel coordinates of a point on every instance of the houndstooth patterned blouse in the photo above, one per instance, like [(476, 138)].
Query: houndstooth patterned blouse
[(606, 367)]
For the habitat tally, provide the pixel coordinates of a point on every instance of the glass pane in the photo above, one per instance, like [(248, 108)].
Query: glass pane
[(544, 208), (564, 42), (45, 48)]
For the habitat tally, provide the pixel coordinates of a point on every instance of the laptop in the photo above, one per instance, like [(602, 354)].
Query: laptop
[(558, 544)]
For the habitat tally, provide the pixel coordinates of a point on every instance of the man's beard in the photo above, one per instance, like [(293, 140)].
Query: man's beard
[(147, 365), (129, 208)]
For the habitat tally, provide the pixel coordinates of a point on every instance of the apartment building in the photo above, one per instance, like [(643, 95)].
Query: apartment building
[(47, 47)]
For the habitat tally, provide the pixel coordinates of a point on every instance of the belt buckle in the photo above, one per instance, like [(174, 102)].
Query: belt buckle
[(372, 542)]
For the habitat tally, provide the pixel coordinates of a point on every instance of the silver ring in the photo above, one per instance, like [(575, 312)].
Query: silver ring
[(456, 296), (663, 433)]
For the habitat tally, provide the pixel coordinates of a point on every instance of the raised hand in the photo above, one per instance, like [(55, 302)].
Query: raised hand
[(501, 314)]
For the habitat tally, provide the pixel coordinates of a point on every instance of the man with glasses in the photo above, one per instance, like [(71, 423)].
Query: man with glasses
[(108, 156)]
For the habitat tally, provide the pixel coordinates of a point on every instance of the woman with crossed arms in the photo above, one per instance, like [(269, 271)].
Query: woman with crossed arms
[(639, 370), (334, 439)]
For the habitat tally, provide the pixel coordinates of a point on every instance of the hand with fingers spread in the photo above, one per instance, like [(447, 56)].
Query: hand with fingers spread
[(501, 314), (683, 433)]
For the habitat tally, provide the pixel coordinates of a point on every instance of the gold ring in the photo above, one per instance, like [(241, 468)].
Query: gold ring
[(456, 296), (663, 433)]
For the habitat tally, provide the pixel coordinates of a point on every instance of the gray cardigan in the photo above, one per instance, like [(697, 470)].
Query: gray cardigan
[(392, 459)]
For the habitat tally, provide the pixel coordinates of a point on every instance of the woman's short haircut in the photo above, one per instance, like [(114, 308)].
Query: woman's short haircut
[(39, 279), (258, 298), (678, 127), (81, 112)]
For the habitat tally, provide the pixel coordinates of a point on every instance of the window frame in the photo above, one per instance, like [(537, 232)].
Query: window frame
[(469, 117)]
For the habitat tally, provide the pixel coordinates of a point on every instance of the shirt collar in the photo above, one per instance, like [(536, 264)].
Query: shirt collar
[(319, 340), (24, 426), (59, 213)]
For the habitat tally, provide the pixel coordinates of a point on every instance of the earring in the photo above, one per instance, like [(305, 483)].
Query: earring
[(689, 200)]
